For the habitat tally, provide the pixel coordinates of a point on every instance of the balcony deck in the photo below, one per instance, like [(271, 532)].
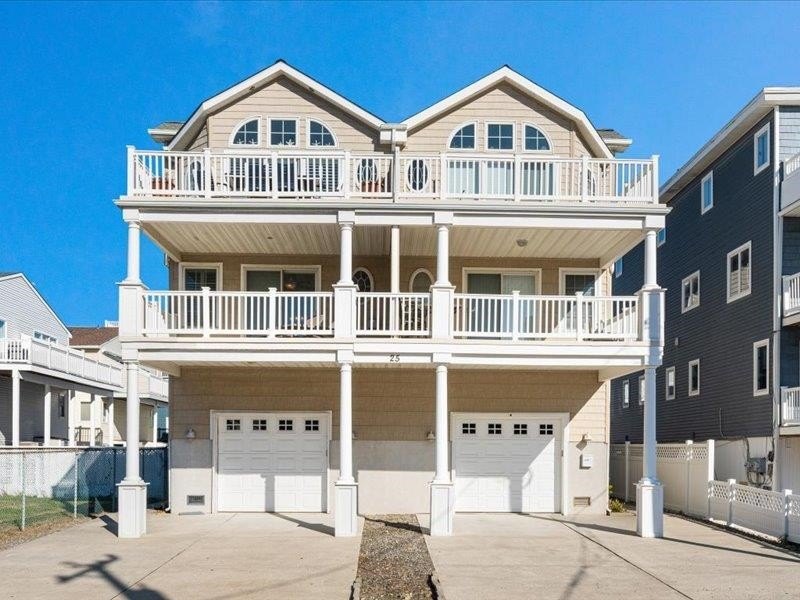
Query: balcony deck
[(790, 187), (58, 360), (790, 407), (344, 176)]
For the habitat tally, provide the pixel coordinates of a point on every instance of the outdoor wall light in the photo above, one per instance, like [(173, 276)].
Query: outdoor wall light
[(355, 435), (586, 438), (431, 436), (190, 434)]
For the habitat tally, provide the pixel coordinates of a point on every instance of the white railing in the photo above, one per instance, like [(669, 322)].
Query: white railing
[(209, 313), (59, 358), (791, 166), (790, 186), (546, 317), (443, 176), (790, 406), (152, 385), (791, 294), (384, 314)]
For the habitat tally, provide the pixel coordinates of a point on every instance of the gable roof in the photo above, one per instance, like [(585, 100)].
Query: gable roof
[(755, 110), (508, 75), (278, 69), (92, 337), (11, 274)]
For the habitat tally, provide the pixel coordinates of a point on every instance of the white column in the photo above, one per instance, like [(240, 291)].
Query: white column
[(649, 492), (395, 260), (442, 490), (443, 255), (132, 490), (346, 254), (650, 256), (442, 438), (111, 426), (92, 419), (133, 275), (69, 410), (155, 422), (47, 408), (15, 383), (346, 489)]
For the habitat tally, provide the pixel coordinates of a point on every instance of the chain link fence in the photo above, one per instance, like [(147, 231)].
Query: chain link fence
[(40, 485)]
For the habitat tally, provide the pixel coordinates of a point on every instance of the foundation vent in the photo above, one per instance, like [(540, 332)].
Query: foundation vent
[(581, 501), (195, 500)]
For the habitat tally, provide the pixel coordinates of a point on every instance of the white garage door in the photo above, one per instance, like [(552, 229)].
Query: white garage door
[(272, 462), (507, 463)]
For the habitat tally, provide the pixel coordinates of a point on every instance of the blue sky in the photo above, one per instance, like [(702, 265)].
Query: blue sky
[(80, 81)]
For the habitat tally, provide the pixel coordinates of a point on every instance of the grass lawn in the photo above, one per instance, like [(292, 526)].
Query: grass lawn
[(37, 511)]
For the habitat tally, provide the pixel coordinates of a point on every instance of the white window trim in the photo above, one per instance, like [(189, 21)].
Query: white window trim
[(696, 392), (44, 337), (642, 389), (626, 393), (756, 346), (296, 132), (309, 120), (543, 132), (667, 395), (198, 265), (3, 328), (748, 245), (315, 269), (456, 130), (706, 177), (414, 275), (535, 273), (239, 126), (756, 135), (513, 137), (564, 271), (369, 276), (621, 263), (685, 308), (663, 241)]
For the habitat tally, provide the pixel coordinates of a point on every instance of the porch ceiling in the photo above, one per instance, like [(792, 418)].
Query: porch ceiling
[(323, 239)]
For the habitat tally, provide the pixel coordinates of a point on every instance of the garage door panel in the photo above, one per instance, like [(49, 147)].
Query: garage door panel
[(271, 463), (505, 463)]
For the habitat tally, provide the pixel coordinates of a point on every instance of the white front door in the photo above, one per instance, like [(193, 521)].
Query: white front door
[(275, 462), (507, 462)]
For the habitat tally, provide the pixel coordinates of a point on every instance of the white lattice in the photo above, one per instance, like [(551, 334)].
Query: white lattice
[(636, 451), (793, 506), (718, 490), (699, 452), (758, 498), (759, 510), (671, 452)]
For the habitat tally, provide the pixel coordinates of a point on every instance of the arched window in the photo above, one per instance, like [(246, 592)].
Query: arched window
[(421, 281), (247, 134), (535, 139), (363, 279), (319, 135), (463, 138)]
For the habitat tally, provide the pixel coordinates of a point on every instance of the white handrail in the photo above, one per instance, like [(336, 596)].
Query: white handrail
[(791, 165), (386, 314), (56, 357), (333, 173)]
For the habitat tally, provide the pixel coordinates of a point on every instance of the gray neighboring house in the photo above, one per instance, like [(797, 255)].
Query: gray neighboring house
[(729, 258), (40, 374)]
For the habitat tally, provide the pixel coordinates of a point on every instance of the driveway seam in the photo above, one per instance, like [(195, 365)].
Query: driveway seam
[(170, 559), (622, 558)]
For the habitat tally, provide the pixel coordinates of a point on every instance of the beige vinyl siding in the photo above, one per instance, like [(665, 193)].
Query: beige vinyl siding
[(503, 103), (388, 404), (201, 141), (283, 98), (379, 267)]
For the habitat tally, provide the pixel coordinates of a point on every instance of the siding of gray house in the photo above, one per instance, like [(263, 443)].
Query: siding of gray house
[(719, 333), (789, 131), (790, 336), (24, 311)]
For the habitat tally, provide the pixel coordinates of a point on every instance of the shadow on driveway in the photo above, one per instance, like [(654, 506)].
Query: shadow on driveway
[(100, 568)]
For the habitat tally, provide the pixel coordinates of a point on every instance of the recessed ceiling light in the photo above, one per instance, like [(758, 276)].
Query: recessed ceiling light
[(522, 242)]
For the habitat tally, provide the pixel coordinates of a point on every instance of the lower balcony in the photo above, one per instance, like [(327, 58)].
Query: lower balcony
[(273, 314), (790, 407)]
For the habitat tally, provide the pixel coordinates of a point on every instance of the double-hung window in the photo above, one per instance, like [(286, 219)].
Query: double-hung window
[(761, 150), (690, 292), (739, 272), (669, 383), (761, 368), (618, 266), (626, 393), (694, 377), (707, 193), (282, 132)]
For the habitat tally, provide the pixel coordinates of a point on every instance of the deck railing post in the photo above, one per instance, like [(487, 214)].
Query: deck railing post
[(787, 501), (206, 309), (689, 453), (22, 485), (655, 159), (346, 176), (627, 470), (579, 316), (207, 172), (443, 176), (273, 167), (731, 499), (584, 177), (131, 169), (272, 306), (515, 315), (517, 178)]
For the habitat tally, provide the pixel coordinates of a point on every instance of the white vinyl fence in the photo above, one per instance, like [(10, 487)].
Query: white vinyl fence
[(687, 473)]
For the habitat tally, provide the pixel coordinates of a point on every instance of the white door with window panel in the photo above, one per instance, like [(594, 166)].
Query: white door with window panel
[(507, 463), (272, 462)]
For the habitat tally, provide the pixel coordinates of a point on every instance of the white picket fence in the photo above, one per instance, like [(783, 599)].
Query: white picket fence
[(687, 473)]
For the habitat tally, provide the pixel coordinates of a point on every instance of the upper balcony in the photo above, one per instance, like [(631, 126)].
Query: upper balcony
[(339, 176), (60, 361), (790, 188)]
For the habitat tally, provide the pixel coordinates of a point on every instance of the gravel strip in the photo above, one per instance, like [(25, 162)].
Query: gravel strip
[(394, 562)]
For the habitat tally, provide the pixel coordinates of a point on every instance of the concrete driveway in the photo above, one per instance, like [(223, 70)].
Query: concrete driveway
[(202, 556), (543, 557)]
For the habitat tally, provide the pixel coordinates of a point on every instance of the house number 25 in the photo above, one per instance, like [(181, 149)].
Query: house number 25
[(394, 358)]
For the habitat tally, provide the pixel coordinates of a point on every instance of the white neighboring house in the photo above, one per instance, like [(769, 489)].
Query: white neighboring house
[(105, 422), (40, 375)]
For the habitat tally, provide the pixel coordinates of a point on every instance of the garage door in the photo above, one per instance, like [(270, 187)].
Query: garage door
[(272, 462), (506, 463)]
